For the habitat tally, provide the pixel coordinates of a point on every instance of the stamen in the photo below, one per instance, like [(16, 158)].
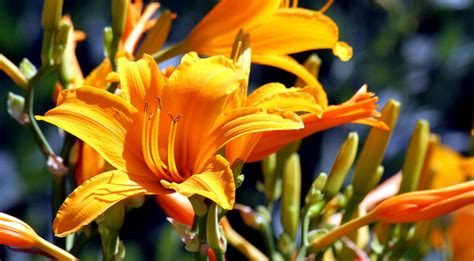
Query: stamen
[(237, 52), (155, 149), (171, 139), (145, 108), (295, 4), (285, 3), (146, 144), (326, 6)]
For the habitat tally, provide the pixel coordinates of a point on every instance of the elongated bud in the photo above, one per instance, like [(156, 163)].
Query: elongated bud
[(108, 39), (15, 107), (27, 68), (290, 200), (51, 16), (312, 64), (415, 157), (343, 163), (13, 72), (374, 149), (427, 173), (157, 36), (119, 14), (61, 42), (271, 177)]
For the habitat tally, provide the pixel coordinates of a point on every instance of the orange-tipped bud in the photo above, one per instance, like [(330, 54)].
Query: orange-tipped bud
[(424, 205), (16, 233), (177, 207)]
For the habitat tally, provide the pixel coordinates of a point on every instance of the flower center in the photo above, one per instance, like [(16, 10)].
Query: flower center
[(151, 148)]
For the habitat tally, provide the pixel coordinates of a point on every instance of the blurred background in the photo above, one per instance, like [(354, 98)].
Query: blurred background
[(418, 52)]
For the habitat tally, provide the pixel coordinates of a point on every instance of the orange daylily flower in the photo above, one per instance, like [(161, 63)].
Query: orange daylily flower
[(276, 30), (449, 167), (162, 134), (16, 233)]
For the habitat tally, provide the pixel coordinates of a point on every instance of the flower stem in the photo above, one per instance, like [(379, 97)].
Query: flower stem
[(171, 51), (326, 240), (212, 231), (55, 251)]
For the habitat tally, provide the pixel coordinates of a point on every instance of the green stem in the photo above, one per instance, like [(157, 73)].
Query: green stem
[(201, 255), (308, 214), (267, 234), (171, 51), (326, 240), (212, 231)]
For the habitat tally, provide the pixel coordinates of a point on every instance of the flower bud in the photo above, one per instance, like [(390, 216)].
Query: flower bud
[(119, 14), (27, 68), (15, 107), (13, 72), (415, 157), (312, 64), (290, 200), (373, 151), (344, 160), (51, 15)]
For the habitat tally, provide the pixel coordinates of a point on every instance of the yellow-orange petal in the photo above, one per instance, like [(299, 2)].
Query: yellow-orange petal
[(293, 30), (218, 29), (102, 120), (289, 64), (291, 100), (140, 81), (139, 28), (177, 207), (215, 183), (361, 106), (245, 121), (96, 195), (98, 77), (203, 87)]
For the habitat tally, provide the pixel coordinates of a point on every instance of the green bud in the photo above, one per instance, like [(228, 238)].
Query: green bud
[(286, 244), (271, 177), (61, 42), (344, 160), (157, 36), (415, 157), (312, 64), (119, 15), (290, 200), (15, 107), (212, 227), (27, 68), (52, 10), (373, 151), (237, 167), (108, 39), (239, 180)]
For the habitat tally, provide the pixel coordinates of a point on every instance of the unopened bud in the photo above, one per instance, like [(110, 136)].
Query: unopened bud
[(51, 16), (290, 200), (344, 160), (157, 36), (314, 194), (27, 68), (312, 64), (374, 149), (13, 72), (415, 157), (119, 14), (15, 107)]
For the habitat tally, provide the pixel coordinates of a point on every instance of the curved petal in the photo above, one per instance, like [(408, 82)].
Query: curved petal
[(215, 183), (203, 87), (102, 120), (98, 77), (361, 108), (293, 30), (140, 81), (217, 30), (98, 194), (246, 121), (289, 64)]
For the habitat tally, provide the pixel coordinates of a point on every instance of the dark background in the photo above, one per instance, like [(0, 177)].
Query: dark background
[(418, 52)]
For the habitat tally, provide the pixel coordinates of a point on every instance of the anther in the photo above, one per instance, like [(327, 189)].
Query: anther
[(145, 108), (160, 103)]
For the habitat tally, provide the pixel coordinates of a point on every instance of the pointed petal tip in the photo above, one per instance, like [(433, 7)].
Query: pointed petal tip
[(343, 51)]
